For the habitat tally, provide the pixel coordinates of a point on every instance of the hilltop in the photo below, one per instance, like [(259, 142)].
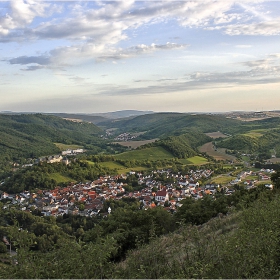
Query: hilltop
[(35, 135), (166, 124)]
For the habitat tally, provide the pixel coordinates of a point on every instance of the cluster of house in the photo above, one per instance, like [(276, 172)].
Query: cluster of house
[(125, 137), (88, 198), (262, 175)]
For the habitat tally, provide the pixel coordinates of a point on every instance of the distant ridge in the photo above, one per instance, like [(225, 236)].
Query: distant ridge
[(94, 118), (122, 114)]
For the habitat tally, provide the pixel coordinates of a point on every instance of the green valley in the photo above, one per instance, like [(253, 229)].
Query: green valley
[(195, 197)]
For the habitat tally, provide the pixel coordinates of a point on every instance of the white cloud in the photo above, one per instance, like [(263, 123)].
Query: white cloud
[(243, 46), (63, 56), (20, 14), (267, 28), (94, 30)]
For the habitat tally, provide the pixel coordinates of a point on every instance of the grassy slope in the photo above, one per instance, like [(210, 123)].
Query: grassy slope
[(59, 178), (153, 153), (196, 160), (63, 147), (239, 246)]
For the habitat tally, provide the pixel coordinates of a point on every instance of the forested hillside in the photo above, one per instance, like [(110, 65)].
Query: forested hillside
[(248, 144), (185, 145), (34, 135), (166, 124)]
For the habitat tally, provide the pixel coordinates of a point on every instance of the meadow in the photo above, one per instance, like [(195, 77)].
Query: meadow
[(64, 147), (218, 154), (153, 153), (196, 160), (120, 168), (135, 144), (222, 180), (59, 178), (216, 134)]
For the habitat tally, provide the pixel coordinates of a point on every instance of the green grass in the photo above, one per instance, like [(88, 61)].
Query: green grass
[(89, 162), (59, 178), (64, 147), (153, 153), (253, 134), (246, 158), (198, 160), (118, 167), (222, 180), (250, 177)]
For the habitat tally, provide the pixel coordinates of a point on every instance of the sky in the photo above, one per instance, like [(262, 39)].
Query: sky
[(171, 56)]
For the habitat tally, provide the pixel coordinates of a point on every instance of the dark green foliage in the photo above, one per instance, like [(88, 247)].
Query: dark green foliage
[(166, 124), (240, 246), (275, 178), (200, 211), (69, 260), (231, 246), (34, 135), (185, 145), (37, 176), (130, 227), (262, 145), (240, 143)]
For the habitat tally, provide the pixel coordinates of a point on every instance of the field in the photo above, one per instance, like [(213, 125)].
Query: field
[(135, 144), (120, 168), (196, 160), (64, 147), (273, 160), (153, 153), (60, 178), (222, 180), (253, 134), (219, 154), (216, 134)]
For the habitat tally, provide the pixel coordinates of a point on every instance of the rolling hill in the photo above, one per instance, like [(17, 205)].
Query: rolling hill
[(34, 135), (166, 124)]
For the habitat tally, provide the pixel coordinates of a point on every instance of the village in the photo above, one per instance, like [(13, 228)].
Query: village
[(87, 199)]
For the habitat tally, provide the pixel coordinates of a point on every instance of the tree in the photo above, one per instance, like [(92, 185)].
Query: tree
[(3, 247), (275, 178)]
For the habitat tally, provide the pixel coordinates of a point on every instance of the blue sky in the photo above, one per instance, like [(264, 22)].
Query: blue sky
[(100, 56)]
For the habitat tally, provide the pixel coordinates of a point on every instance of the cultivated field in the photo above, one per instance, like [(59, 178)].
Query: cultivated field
[(196, 160), (153, 153), (218, 154), (135, 144), (253, 134), (120, 168), (273, 160), (60, 178), (216, 134), (221, 179), (64, 147)]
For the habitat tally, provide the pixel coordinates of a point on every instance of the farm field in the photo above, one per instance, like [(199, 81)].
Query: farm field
[(222, 179), (218, 155), (60, 178), (273, 160), (64, 147), (216, 134), (253, 134), (120, 168), (196, 160), (153, 153), (135, 144)]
